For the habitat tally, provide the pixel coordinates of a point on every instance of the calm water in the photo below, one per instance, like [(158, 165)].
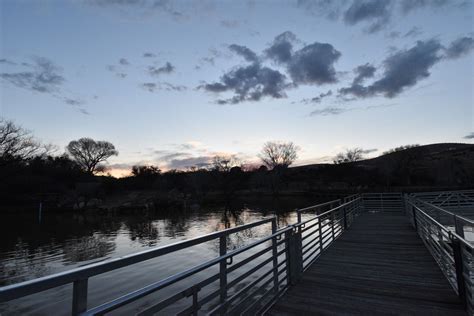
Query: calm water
[(29, 249)]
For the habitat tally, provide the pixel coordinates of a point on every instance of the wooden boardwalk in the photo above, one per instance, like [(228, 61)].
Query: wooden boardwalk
[(378, 266)]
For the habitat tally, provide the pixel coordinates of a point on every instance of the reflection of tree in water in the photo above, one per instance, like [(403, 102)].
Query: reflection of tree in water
[(177, 226), (143, 230), (23, 263), (87, 248)]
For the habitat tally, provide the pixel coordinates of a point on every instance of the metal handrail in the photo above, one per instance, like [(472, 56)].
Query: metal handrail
[(288, 237), (25, 288)]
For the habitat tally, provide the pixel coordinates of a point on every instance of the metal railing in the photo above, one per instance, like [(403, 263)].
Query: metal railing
[(245, 280), (382, 202), (443, 233)]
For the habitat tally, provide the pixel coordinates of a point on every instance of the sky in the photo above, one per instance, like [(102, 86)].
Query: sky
[(173, 83)]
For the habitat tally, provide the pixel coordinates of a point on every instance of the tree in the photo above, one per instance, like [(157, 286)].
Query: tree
[(279, 154), (18, 143), (225, 163), (400, 148), (350, 155), (88, 153), (145, 171)]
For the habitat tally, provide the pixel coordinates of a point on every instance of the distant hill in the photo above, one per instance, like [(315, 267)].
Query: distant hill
[(443, 164)]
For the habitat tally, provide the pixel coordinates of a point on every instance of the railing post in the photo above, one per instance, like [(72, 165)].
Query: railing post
[(458, 260), (79, 296), (295, 255), (345, 217), (320, 236), (275, 255), (223, 268), (413, 209)]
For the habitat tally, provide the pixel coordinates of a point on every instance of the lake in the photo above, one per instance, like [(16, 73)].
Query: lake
[(31, 249)]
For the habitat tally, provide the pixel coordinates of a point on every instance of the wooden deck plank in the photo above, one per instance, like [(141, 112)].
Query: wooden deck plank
[(378, 266)]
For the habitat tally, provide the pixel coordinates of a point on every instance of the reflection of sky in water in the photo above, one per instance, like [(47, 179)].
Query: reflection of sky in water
[(81, 240)]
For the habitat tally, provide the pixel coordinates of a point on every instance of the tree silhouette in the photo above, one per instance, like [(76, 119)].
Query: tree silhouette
[(88, 153), (225, 163), (18, 143), (278, 154), (351, 155)]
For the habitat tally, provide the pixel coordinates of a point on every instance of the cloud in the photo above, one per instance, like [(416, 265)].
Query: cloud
[(329, 111), (407, 6), (230, 24), (362, 72), (148, 55), (124, 62), (74, 102), (413, 32), (152, 86), (327, 8), (7, 61), (375, 12), (403, 69), (314, 64), (166, 69), (249, 83), (317, 99), (469, 136), (368, 151), (201, 161), (163, 6), (281, 49), (459, 47), (211, 59), (245, 52), (44, 77)]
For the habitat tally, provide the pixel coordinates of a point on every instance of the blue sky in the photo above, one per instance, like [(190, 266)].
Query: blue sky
[(173, 83)]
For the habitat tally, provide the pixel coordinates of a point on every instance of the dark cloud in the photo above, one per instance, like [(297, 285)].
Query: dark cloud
[(314, 64), (375, 12), (211, 59), (124, 62), (201, 161), (111, 68), (403, 69), (317, 99), (469, 136), (413, 32), (43, 76), (230, 24), (407, 6), (152, 87), (281, 49), (245, 52), (75, 102), (459, 48), (329, 111), (368, 151), (149, 55), (163, 6), (249, 83), (362, 72), (121, 74), (328, 8), (166, 69), (6, 61)]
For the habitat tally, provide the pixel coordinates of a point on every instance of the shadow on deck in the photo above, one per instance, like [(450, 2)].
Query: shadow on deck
[(378, 266)]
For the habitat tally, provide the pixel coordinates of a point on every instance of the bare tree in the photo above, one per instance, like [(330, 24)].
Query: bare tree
[(278, 154), (400, 148), (88, 153), (18, 143), (350, 155), (225, 163)]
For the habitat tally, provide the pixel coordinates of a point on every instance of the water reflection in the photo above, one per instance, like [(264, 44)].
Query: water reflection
[(64, 241)]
